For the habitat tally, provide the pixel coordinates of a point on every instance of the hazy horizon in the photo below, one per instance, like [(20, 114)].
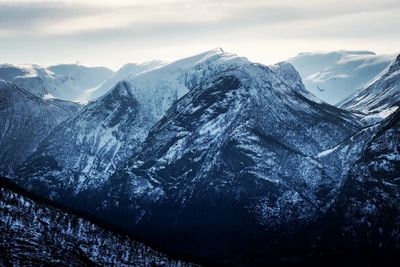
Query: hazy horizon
[(101, 33)]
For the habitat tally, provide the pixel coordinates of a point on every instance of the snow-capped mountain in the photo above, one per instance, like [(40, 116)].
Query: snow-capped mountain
[(35, 232), (122, 74), (30, 77), (224, 157), (66, 81), (333, 76), (84, 151), (25, 120), (223, 154), (217, 158), (161, 87), (72, 81), (379, 98)]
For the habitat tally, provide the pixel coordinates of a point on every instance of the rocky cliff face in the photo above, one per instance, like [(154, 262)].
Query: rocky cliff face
[(369, 199)]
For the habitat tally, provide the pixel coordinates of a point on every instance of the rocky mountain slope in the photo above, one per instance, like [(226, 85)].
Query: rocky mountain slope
[(379, 98), (25, 120), (369, 200), (85, 150), (364, 219), (35, 232), (333, 76)]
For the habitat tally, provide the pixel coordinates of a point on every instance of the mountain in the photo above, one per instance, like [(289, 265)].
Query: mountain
[(37, 232), (215, 158), (333, 76), (25, 120), (369, 199), (231, 161), (66, 81), (363, 221), (222, 159), (74, 80), (122, 74), (84, 151), (379, 98), (161, 87), (31, 77)]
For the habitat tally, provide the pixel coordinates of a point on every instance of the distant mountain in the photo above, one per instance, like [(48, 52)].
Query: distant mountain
[(33, 78), (333, 76), (37, 232), (379, 98), (122, 74), (66, 81), (74, 80), (25, 120)]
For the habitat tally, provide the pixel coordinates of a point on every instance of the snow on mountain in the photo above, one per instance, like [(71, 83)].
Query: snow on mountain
[(333, 76), (230, 161), (39, 233), (66, 81), (381, 97), (30, 77), (72, 80), (161, 87), (289, 75), (84, 151), (25, 120), (122, 74), (364, 218), (215, 157)]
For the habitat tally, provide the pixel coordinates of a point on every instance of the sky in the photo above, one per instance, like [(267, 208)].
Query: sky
[(114, 32)]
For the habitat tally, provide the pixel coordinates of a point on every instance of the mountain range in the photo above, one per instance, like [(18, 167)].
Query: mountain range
[(218, 159)]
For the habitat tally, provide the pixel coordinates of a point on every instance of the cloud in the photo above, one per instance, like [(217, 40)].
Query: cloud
[(95, 27), (70, 17)]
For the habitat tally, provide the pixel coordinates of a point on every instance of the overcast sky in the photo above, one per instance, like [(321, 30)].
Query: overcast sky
[(114, 32)]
